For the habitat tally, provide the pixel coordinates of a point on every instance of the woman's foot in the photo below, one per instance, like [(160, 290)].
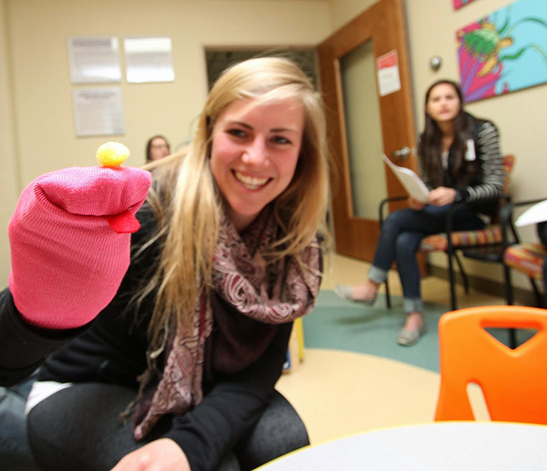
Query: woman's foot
[(414, 328), (365, 293)]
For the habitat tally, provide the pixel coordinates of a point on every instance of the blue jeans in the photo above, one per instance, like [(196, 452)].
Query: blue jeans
[(402, 233), (15, 454)]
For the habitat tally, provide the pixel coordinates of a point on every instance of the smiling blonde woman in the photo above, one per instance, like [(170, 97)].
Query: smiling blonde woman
[(228, 255)]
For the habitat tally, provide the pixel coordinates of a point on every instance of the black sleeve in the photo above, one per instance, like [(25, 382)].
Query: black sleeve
[(493, 174), (231, 408), (24, 347)]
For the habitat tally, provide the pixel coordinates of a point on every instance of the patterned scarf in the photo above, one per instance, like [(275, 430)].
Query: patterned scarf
[(271, 294)]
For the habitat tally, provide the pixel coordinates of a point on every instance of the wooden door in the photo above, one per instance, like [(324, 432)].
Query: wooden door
[(374, 42)]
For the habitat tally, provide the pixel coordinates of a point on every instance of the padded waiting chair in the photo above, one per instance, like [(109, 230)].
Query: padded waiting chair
[(486, 244), (527, 258), (513, 382)]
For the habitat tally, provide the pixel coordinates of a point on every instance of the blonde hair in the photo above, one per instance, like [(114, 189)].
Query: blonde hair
[(187, 204)]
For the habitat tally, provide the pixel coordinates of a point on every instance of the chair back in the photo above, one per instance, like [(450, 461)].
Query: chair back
[(513, 382), (508, 166)]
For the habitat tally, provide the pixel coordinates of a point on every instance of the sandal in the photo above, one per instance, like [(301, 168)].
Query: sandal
[(407, 337), (345, 292)]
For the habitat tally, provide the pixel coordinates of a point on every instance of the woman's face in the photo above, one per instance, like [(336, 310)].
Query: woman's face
[(159, 148), (443, 104), (254, 153)]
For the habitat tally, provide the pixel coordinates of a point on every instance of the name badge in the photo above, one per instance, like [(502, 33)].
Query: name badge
[(470, 150)]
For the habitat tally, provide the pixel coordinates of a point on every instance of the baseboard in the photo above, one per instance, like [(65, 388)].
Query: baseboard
[(484, 285)]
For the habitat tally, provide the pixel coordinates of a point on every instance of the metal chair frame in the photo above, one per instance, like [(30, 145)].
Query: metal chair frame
[(496, 254), (511, 237)]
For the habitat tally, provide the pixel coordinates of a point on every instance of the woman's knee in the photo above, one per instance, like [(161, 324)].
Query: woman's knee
[(392, 221), (279, 431), (408, 243), (400, 221)]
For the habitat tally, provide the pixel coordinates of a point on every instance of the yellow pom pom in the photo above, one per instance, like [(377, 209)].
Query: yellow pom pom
[(112, 154)]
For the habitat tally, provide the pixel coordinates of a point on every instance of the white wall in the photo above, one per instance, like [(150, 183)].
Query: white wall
[(8, 174), (33, 51)]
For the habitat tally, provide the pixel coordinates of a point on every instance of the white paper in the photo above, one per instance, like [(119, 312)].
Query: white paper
[(413, 183), (98, 111), (149, 59), (94, 59), (533, 215)]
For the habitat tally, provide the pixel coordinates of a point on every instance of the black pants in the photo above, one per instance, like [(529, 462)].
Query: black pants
[(65, 436), (15, 452)]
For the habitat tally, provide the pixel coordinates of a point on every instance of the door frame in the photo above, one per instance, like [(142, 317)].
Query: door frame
[(384, 24)]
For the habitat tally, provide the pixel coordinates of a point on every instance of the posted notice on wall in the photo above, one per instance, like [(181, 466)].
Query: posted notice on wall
[(387, 67), (94, 59), (98, 111), (148, 59)]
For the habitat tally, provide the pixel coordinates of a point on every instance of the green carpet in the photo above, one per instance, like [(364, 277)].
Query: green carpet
[(343, 325)]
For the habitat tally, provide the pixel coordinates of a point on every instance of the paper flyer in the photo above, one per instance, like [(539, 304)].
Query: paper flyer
[(533, 215), (413, 183)]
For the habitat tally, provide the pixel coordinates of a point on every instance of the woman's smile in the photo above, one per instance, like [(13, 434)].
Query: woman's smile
[(250, 182)]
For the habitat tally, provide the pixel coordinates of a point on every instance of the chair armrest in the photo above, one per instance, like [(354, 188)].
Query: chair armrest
[(386, 201), (506, 221), (449, 218)]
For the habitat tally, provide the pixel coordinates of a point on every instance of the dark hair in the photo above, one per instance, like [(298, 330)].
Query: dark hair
[(149, 146), (430, 148)]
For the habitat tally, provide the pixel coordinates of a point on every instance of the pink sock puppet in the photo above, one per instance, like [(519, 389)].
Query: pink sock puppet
[(70, 242)]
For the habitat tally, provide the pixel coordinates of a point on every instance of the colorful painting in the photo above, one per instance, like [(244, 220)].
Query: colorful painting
[(461, 3), (504, 51)]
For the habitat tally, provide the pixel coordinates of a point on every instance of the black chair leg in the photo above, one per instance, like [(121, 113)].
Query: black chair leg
[(462, 271), (512, 338), (537, 292), (451, 279), (509, 296), (388, 298), (510, 299)]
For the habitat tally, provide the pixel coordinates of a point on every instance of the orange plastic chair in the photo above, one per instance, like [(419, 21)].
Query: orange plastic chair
[(513, 382)]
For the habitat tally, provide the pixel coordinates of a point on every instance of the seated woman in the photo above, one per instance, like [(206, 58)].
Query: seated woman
[(460, 161), (178, 372), (157, 147)]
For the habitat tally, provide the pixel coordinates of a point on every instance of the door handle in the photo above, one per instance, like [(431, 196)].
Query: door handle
[(403, 152)]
